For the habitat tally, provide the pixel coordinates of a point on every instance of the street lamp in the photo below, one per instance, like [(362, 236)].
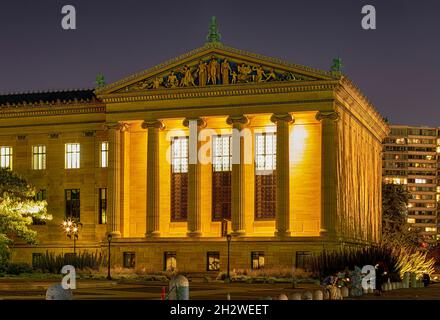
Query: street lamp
[(228, 238), (109, 239), (71, 228)]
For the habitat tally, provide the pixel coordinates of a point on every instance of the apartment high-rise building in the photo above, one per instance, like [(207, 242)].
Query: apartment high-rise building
[(410, 158)]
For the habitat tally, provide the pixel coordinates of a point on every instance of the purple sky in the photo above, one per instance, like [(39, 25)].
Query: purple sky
[(397, 66)]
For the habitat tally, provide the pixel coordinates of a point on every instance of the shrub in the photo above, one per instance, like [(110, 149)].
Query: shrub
[(15, 268), (329, 263), (51, 263)]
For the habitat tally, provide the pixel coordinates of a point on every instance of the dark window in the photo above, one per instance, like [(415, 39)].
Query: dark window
[(179, 179), (103, 205), (213, 261), (265, 176), (72, 204), (36, 258), (302, 258), (39, 196), (257, 260), (221, 177), (170, 261), (129, 260)]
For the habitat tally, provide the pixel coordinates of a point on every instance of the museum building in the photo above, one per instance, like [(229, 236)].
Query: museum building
[(287, 157)]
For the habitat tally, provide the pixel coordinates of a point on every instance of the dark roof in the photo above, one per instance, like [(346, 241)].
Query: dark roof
[(47, 97)]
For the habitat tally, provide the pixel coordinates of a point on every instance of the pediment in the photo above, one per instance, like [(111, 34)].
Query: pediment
[(213, 65)]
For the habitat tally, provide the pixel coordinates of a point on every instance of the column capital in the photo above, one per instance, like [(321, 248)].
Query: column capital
[(243, 120), (200, 122), (153, 124), (287, 117), (330, 115), (119, 126)]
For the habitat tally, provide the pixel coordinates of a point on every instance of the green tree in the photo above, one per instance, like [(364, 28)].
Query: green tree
[(396, 230), (18, 208)]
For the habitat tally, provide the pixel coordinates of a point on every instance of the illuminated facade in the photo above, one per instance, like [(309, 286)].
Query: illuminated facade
[(410, 158), (305, 174)]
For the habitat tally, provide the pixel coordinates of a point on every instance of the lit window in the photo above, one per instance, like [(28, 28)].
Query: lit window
[(221, 177), (72, 155), (213, 261), (221, 153), (430, 229), (6, 157), (39, 157), (170, 261), (257, 260), (265, 152), (104, 154), (420, 180), (265, 176), (179, 179), (179, 154), (411, 220)]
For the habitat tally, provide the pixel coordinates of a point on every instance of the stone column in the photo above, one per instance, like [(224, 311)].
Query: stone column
[(114, 178), (238, 175), (153, 186), (282, 121), (328, 173), (194, 184)]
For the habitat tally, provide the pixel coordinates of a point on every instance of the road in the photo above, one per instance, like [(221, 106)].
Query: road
[(20, 289)]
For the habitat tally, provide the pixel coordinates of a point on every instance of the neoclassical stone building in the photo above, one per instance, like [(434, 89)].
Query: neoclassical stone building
[(304, 176)]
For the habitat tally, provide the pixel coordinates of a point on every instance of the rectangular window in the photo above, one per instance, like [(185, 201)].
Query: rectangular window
[(221, 177), (36, 258), (213, 260), (6, 157), (72, 155), (39, 157), (39, 196), (265, 176), (104, 154), (103, 205), (179, 178), (169, 261), (257, 260), (129, 260), (72, 199), (302, 258)]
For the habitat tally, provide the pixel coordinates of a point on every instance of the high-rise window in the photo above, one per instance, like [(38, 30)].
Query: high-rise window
[(103, 205), (169, 261), (72, 199), (6, 157), (265, 176), (221, 177), (179, 178), (104, 154), (39, 157), (257, 260), (72, 155)]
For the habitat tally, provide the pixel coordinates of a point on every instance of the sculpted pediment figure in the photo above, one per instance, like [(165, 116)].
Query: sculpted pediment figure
[(214, 65)]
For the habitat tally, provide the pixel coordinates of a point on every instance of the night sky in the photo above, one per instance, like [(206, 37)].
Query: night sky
[(397, 66)]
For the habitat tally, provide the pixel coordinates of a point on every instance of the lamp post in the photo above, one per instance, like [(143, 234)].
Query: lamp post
[(71, 228), (228, 239), (109, 239)]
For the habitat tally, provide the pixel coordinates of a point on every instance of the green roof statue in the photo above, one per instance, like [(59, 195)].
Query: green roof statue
[(213, 35), (100, 80), (337, 65)]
